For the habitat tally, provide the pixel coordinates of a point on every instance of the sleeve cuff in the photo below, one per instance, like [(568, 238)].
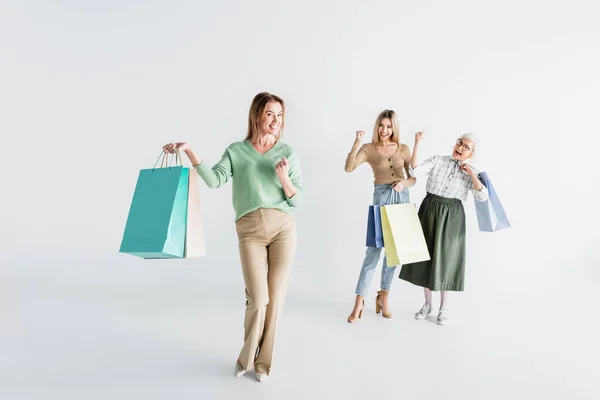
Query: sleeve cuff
[(481, 195), (411, 171)]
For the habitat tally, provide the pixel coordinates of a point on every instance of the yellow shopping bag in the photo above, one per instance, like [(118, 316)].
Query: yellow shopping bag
[(403, 236)]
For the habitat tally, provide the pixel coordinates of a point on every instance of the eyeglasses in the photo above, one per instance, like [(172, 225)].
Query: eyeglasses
[(464, 146)]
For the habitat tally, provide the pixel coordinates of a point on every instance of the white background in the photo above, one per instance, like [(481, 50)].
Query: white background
[(90, 91)]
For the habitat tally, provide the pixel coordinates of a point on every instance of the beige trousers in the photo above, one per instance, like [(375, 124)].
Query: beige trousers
[(267, 242)]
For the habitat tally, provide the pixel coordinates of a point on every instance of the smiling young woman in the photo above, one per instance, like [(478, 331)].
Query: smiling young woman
[(389, 160), (267, 188)]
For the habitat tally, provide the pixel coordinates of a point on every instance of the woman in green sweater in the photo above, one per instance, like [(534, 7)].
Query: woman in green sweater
[(267, 187)]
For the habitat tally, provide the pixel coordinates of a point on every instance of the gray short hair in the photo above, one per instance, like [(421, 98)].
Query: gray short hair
[(470, 137)]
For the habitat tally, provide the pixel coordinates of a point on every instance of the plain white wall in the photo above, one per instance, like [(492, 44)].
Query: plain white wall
[(90, 91)]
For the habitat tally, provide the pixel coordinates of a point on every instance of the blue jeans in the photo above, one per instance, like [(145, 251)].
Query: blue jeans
[(382, 195)]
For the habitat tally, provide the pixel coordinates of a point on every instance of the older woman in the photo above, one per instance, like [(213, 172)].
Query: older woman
[(450, 179), (389, 160), (267, 187)]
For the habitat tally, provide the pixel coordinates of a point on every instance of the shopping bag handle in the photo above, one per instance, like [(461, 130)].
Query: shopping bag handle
[(392, 194), (165, 159)]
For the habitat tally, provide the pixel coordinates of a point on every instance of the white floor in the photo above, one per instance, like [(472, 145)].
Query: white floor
[(72, 339)]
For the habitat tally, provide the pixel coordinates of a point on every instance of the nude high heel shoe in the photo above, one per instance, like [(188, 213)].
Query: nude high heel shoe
[(352, 319), (239, 371), (382, 295)]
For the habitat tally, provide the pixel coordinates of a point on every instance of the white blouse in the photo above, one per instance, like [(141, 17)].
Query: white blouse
[(446, 179)]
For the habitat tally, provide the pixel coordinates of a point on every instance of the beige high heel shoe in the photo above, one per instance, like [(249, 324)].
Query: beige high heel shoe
[(239, 371), (261, 377), (352, 319), (382, 294)]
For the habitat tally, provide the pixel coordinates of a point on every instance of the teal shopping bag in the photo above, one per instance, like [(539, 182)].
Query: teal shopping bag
[(156, 225)]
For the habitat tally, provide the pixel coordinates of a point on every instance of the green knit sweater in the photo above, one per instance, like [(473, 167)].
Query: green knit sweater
[(255, 184)]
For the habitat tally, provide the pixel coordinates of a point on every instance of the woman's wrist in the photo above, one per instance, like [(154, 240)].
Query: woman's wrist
[(192, 156)]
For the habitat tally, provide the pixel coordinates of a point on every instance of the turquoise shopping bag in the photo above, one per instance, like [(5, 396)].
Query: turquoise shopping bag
[(156, 225)]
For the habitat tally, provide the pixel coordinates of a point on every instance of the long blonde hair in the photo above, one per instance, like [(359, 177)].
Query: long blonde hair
[(391, 114), (257, 112)]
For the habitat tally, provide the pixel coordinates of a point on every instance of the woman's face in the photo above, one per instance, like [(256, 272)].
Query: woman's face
[(271, 122), (463, 149), (385, 129)]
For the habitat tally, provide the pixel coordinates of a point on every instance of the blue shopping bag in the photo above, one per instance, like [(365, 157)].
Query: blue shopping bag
[(156, 224), (490, 213), (374, 230)]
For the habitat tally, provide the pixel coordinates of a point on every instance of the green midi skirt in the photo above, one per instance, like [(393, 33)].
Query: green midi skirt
[(443, 222)]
